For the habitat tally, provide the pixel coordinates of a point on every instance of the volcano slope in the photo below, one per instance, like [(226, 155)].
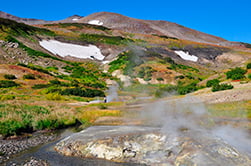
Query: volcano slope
[(145, 57)]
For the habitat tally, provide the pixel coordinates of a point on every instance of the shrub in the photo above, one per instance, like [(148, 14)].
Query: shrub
[(48, 124), (141, 74), (8, 84), (55, 82), (113, 40), (126, 61), (7, 97), (190, 77), (249, 76), (211, 83), (160, 79), (169, 60), (102, 106), (52, 89), (10, 127), (147, 79), (182, 90), (146, 73), (40, 86), (10, 76), (179, 77), (83, 92), (165, 90), (220, 87), (54, 96), (236, 73), (249, 66), (29, 76)]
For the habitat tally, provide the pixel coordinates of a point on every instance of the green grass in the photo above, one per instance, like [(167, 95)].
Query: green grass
[(22, 117), (19, 29), (7, 97), (81, 26), (18, 118), (126, 61), (97, 38)]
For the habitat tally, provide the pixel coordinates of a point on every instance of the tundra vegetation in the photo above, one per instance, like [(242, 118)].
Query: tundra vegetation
[(35, 96)]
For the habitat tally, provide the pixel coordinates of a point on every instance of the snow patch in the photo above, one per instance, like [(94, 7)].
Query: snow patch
[(187, 56), (95, 22), (67, 49), (75, 19), (106, 62)]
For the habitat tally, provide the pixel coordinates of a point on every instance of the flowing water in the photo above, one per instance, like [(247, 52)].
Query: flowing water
[(172, 117), (46, 152)]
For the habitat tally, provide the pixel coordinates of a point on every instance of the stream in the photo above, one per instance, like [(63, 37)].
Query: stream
[(47, 153)]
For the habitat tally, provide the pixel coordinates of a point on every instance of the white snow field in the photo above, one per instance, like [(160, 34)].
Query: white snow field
[(75, 19), (187, 56), (66, 49), (95, 22)]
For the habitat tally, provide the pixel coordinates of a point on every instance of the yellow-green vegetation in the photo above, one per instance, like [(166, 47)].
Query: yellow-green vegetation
[(238, 109), (18, 118), (28, 105), (7, 97), (92, 115), (54, 96), (21, 116), (54, 92), (97, 38)]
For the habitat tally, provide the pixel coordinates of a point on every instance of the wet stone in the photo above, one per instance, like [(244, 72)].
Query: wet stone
[(147, 145)]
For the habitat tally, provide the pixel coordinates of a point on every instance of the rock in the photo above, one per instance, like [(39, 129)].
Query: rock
[(35, 162), (148, 145), (14, 146), (8, 44), (123, 78)]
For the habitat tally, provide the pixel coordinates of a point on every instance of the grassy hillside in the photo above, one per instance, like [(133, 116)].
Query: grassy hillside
[(34, 95), (36, 87)]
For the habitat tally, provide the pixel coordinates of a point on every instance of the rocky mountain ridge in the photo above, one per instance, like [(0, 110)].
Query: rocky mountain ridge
[(132, 25)]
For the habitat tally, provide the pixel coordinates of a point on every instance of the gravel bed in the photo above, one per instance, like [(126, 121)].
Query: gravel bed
[(14, 146), (32, 162)]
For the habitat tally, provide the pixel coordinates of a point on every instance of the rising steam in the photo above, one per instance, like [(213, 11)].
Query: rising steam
[(112, 93), (175, 117)]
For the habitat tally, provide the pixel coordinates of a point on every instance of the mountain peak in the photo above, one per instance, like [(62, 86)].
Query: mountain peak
[(22, 20), (131, 25)]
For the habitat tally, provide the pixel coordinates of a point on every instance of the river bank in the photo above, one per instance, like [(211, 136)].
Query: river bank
[(38, 150), (14, 145)]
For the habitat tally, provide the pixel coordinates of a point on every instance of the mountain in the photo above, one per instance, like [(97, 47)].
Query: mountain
[(51, 70), (22, 20), (131, 25), (131, 49)]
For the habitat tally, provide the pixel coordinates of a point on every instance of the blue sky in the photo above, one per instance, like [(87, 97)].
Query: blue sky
[(230, 19)]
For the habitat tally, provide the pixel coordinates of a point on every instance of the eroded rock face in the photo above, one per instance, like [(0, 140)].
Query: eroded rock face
[(150, 146)]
